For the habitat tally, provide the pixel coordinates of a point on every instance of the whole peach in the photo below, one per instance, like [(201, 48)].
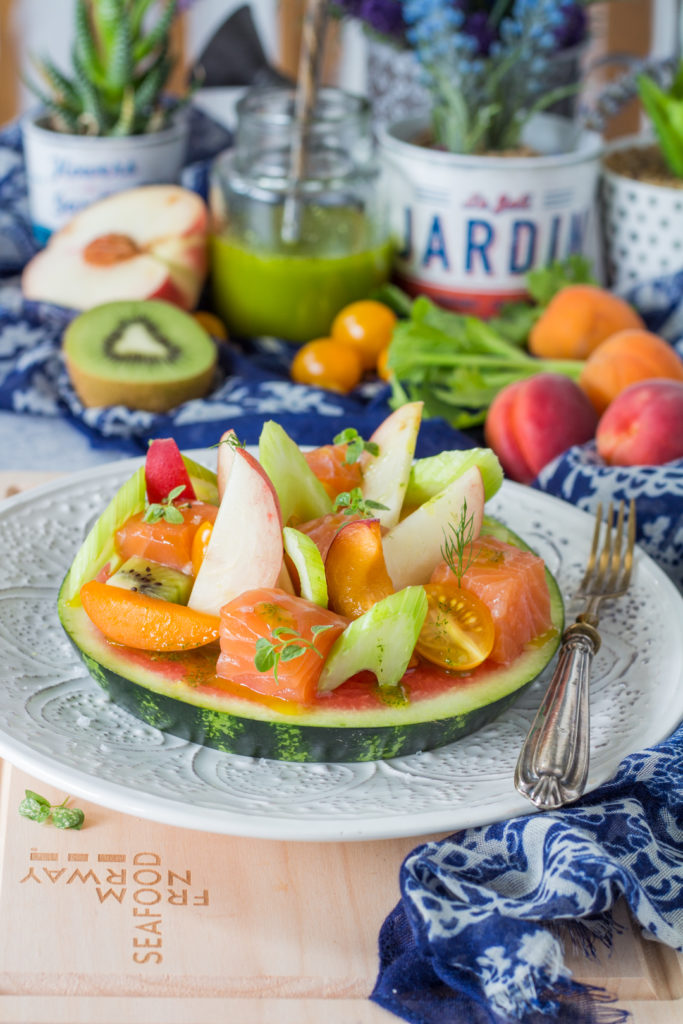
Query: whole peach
[(643, 425), (532, 421)]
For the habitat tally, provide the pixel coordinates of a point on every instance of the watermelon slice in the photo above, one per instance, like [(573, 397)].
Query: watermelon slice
[(181, 693)]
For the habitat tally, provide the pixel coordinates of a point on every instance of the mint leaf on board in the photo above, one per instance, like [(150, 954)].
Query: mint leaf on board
[(38, 808)]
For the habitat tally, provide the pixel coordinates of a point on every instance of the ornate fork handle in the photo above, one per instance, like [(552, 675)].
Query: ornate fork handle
[(553, 763)]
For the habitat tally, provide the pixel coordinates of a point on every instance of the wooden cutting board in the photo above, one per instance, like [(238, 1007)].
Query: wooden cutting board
[(131, 921)]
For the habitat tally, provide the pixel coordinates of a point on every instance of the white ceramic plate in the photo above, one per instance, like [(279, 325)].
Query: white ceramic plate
[(57, 724)]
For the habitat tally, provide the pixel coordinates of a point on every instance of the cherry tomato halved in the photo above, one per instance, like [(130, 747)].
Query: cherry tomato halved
[(458, 633)]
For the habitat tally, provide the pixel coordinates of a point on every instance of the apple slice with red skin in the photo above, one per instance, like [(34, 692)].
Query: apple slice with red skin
[(356, 573), (165, 470), (245, 549), (414, 546), (386, 475), (142, 243)]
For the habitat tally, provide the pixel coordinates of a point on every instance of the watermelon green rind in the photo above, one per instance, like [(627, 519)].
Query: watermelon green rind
[(156, 690)]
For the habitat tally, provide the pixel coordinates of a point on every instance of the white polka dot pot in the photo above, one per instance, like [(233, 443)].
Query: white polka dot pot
[(642, 229)]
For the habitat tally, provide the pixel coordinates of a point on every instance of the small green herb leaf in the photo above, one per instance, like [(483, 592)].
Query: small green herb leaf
[(353, 503), (355, 445), (232, 441), (68, 817), (286, 645), (457, 551), (38, 808), (165, 509)]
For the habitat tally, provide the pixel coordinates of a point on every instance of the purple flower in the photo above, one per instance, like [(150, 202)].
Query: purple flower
[(386, 18), (383, 16)]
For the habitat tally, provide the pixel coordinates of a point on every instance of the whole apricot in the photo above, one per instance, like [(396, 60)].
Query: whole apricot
[(532, 421), (643, 426), (577, 320), (624, 359)]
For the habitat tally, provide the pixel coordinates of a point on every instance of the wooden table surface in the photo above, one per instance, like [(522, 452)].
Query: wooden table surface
[(131, 921)]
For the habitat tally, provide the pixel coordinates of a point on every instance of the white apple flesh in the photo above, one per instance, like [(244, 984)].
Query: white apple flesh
[(143, 243), (245, 549), (386, 475), (413, 547)]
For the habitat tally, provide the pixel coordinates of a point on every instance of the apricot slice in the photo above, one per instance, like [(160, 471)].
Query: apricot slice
[(356, 573), (147, 623)]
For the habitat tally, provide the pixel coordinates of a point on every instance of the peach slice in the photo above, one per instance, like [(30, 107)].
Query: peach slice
[(356, 573), (147, 623), (143, 243)]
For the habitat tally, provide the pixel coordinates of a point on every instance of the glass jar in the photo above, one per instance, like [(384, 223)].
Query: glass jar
[(264, 284)]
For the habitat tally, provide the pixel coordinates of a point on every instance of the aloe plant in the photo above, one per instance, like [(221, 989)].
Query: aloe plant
[(121, 64), (664, 107)]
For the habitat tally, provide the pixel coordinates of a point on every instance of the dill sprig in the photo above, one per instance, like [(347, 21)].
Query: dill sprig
[(457, 548)]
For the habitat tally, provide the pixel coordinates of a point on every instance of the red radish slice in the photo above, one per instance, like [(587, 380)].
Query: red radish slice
[(165, 470)]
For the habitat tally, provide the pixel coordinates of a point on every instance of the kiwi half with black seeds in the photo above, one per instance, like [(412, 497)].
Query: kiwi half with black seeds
[(153, 580), (144, 354)]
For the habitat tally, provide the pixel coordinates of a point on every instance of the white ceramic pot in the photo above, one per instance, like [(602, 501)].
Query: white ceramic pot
[(642, 227), (65, 173), (468, 228)]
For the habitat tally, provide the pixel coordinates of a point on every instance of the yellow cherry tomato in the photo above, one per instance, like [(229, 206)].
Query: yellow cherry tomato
[(211, 323), (326, 363), (383, 370), (458, 632), (200, 543), (367, 326)]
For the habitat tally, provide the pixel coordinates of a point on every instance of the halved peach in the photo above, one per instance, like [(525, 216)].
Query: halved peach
[(356, 573)]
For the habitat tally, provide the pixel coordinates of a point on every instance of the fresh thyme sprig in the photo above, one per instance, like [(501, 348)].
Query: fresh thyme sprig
[(355, 445), (456, 550), (38, 808), (232, 441), (286, 645), (165, 509), (352, 502)]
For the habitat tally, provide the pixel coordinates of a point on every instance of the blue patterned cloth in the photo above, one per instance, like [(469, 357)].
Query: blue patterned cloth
[(249, 386), (470, 942)]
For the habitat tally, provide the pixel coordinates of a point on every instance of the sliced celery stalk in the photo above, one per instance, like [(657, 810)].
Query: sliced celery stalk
[(380, 641)]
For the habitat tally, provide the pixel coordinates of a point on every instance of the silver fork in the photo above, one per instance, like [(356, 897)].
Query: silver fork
[(553, 764)]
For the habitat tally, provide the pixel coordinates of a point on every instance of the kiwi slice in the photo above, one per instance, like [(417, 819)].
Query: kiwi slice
[(143, 354), (153, 579)]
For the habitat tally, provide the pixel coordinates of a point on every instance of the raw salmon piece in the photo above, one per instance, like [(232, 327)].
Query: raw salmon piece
[(256, 614), (327, 462), (512, 583), (167, 543)]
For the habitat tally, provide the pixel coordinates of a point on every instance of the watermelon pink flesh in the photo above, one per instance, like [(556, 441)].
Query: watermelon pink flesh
[(165, 470)]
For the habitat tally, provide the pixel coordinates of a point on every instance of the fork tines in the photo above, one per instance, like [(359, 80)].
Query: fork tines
[(608, 571)]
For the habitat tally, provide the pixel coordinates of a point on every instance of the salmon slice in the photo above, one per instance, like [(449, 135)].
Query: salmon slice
[(308, 632), (167, 543), (329, 465), (512, 584)]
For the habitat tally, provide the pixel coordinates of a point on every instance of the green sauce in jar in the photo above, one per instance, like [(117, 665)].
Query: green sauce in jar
[(266, 285), (289, 292)]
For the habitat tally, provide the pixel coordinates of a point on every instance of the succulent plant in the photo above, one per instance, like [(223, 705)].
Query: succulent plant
[(121, 64)]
